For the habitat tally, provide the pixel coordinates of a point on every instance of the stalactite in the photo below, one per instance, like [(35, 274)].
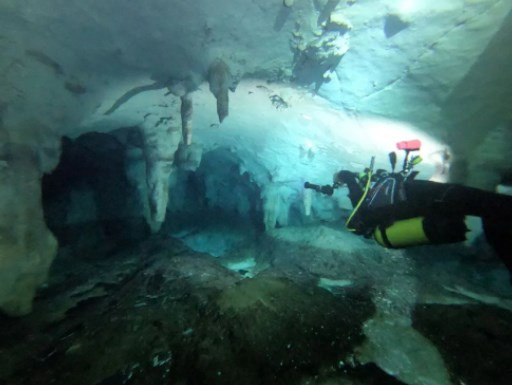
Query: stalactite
[(219, 78), (186, 119)]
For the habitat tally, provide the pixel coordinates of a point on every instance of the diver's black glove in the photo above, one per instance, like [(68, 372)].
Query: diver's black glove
[(325, 189)]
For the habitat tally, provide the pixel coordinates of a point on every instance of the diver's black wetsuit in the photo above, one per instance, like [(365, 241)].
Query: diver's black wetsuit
[(443, 206)]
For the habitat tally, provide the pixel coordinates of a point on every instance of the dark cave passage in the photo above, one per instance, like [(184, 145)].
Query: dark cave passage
[(89, 203), (216, 192), (94, 200)]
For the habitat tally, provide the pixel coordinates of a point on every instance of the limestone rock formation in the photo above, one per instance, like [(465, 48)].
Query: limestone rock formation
[(474, 340), (27, 247), (188, 157), (131, 93), (271, 207), (186, 119), (219, 78), (489, 162), (315, 57), (276, 205), (265, 311), (160, 144)]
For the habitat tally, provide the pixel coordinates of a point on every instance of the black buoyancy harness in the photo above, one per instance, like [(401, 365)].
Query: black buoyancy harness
[(383, 190), (388, 189)]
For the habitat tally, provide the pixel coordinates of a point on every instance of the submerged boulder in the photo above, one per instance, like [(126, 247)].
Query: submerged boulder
[(474, 340), (281, 329), (185, 319)]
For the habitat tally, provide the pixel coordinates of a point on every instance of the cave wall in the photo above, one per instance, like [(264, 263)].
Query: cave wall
[(429, 64), (81, 66), (401, 59), (27, 247), (482, 134)]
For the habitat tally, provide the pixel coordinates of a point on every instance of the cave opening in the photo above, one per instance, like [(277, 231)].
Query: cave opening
[(95, 201), (89, 203), (215, 207)]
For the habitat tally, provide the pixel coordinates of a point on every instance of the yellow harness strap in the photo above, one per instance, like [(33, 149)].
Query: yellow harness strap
[(366, 189)]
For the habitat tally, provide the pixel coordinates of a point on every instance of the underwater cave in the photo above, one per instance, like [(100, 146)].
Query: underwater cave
[(268, 192), (88, 200)]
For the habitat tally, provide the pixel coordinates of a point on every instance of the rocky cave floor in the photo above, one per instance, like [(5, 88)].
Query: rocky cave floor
[(158, 312)]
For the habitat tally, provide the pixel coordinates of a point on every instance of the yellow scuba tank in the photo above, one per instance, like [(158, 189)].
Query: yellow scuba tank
[(407, 232)]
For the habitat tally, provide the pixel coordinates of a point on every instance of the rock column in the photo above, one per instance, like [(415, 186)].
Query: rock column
[(27, 247), (160, 144)]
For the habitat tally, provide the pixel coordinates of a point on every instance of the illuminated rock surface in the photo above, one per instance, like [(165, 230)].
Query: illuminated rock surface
[(127, 126)]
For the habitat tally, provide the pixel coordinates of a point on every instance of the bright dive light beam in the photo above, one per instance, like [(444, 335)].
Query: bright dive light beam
[(408, 6)]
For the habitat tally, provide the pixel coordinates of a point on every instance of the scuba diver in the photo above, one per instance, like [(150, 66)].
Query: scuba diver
[(399, 211)]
